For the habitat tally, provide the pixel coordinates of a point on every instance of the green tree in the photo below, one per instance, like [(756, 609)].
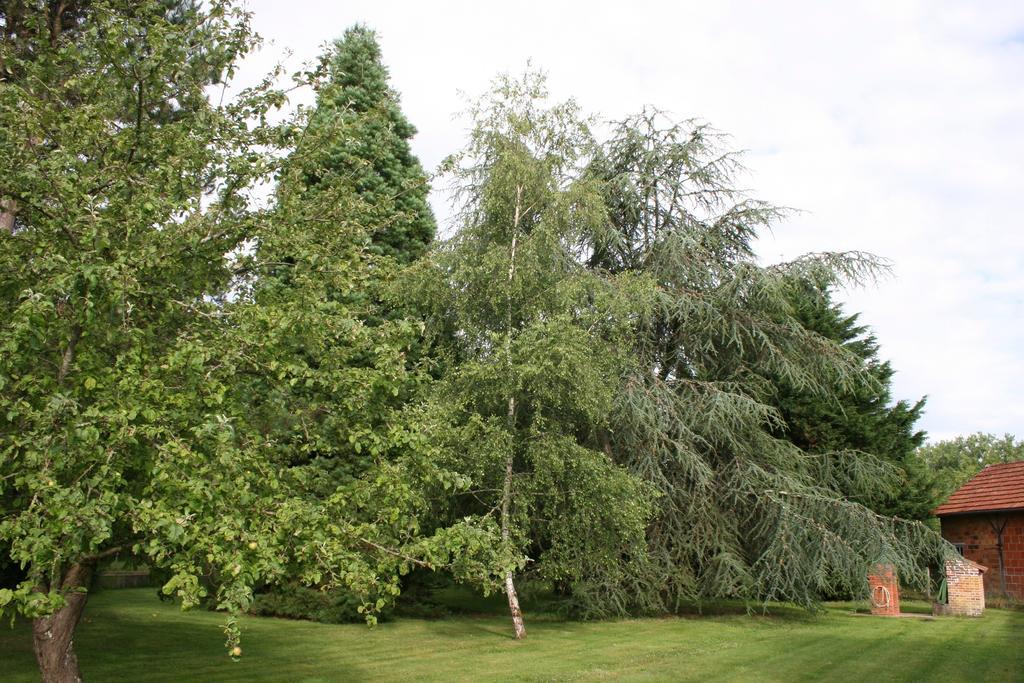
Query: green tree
[(536, 342), (105, 260), (743, 512), (131, 351), (30, 26), (954, 461), (323, 376), (860, 417), (363, 140), (27, 24)]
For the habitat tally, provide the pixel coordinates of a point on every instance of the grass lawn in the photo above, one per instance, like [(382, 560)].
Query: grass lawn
[(130, 635)]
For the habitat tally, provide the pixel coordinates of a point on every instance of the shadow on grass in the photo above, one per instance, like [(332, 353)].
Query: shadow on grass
[(540, 602), (130, 635)]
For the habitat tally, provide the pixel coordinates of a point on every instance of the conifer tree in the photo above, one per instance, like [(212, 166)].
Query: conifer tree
[(743, 513), (350, 202), (362, 139), (861, 417)]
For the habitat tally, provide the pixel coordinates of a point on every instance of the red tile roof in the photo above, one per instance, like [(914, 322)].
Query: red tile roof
[(997, 487)]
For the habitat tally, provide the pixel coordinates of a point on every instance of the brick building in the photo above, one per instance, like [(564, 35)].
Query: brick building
[(984, 519), (965, 589)]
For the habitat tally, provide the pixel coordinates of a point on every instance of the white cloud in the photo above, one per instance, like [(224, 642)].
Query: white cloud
[(897, 126)]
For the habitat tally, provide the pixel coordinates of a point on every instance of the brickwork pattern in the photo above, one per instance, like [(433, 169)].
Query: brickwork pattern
[(885, 591), (965, 588), (979, 541)]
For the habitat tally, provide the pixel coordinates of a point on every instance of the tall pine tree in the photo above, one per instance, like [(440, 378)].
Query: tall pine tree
[(362, 139), (350, 202)]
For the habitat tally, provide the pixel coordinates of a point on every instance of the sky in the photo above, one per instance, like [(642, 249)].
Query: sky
[(895, 127)]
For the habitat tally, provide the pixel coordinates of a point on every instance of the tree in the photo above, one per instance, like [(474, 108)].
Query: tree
[(130, 349), (954, 461), (743, 513), (365, 142), (536, 345), (105, 257), (340, 369), (30, 26), (860, 417), (25, 25), (642, 244)]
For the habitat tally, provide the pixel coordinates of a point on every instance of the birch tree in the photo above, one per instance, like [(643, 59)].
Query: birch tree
[(535, 343)]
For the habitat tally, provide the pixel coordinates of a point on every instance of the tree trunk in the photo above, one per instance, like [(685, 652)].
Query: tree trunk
[(510, 417), (513, 606), (506, 502), (510, 587), (53, 636), (8, 211)]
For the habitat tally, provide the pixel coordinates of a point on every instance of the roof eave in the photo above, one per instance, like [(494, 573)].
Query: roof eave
[(977, 512)]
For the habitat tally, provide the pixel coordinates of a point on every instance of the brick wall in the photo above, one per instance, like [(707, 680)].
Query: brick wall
[(978, 537), (965, 589), (885, 591)]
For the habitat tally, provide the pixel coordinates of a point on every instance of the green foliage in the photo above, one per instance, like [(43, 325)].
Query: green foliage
[(162, 400), (212, 387), (299, 602), (954, 461), (358, 136), (535, 343), (109, 260), (613, 343), (324, 375), (743, 512), (860, 417)]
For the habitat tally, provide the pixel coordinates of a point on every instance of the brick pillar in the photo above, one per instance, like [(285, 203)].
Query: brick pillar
[(885, 591)]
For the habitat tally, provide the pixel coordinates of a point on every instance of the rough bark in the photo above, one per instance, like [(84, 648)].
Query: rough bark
[(53, 635), (8, 210)]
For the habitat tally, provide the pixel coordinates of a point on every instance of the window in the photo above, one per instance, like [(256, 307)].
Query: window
[(959, 547)]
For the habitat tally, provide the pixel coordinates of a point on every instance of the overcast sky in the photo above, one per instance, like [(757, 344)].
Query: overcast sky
[(897, 127)]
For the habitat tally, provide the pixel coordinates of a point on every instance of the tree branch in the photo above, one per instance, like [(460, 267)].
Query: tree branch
[(395, 553), (96, 557), (69, 353)]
